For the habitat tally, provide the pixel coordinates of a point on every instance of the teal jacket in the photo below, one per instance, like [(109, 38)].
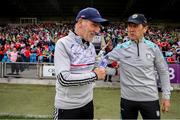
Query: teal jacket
[(139, 65)]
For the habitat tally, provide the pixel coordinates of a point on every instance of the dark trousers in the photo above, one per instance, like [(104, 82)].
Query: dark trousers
[(148, 109), (108, 78), (14, 67), (85, 112)]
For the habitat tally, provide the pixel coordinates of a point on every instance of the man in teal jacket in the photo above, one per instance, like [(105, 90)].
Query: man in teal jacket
[(139, 60)]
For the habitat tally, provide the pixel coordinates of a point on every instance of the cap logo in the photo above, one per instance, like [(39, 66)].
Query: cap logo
[(134, 16), (83, 16), (149, 56)]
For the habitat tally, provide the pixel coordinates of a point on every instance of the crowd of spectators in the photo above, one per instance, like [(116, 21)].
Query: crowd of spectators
[(36, 43)]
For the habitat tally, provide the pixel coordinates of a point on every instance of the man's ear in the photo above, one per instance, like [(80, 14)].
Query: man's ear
[(145, 29), (79, 22)]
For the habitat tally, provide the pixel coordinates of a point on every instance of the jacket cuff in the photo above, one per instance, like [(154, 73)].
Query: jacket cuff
[(94, 75), (165, 96)]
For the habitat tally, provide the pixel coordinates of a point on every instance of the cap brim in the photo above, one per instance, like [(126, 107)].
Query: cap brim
[(134, 21), (102, 21)]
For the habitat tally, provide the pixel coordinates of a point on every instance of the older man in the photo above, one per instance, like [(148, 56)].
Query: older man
[(74, 66)]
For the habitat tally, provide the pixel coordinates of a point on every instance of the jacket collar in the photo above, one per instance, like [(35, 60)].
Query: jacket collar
[(78, 39)]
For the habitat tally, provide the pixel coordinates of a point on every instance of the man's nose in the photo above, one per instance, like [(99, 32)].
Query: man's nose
[(130, 29)]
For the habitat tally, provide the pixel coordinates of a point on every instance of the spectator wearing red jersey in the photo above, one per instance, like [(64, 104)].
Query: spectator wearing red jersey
[(27, 54)]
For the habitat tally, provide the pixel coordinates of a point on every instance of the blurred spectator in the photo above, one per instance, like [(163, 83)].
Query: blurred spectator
[(112, 67), (1, 52), (13, 58), (98, 42), (6, 58), (178, 54)]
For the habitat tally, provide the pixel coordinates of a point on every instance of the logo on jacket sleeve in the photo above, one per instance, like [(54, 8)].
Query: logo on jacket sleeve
[(148, 56)]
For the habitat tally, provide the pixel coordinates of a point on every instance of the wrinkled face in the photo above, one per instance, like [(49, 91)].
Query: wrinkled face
[(88, 29), (136, 31)]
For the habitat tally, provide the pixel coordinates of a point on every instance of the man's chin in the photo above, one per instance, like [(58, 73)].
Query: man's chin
[(89, 39), (131, 38)]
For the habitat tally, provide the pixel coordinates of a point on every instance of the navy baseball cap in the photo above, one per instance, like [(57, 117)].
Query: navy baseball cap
[(137, 19), (93, 15)]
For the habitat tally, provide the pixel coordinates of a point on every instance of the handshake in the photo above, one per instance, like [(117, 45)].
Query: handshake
[(104, 69), (100, 72)]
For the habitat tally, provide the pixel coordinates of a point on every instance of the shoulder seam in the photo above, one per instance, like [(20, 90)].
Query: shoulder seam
[(150, 44), (124, 45)]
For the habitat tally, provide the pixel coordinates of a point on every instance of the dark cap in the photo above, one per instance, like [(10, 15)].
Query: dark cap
[(93, 15), (137, 19)]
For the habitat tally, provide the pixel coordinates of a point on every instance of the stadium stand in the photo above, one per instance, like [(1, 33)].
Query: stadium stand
[(33, 32)]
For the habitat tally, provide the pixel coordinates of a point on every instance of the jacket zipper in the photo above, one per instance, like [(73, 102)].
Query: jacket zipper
[(138, 48)]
